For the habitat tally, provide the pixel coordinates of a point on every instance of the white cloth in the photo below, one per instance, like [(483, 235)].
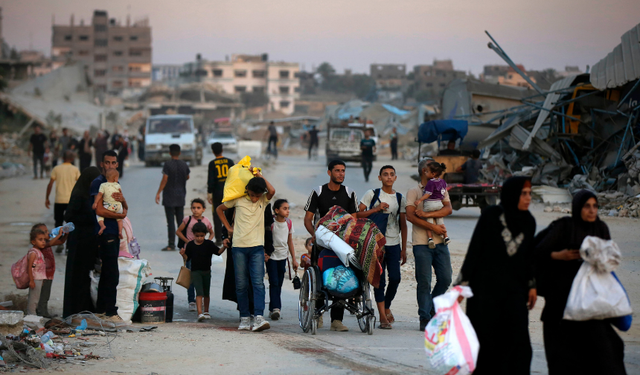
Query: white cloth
[(393, 226), (281, 240)]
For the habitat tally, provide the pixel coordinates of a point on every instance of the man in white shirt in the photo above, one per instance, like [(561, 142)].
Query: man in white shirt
[(386, 206)]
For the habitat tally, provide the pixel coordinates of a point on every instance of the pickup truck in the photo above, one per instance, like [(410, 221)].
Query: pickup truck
[(343, 141), (164, 130)]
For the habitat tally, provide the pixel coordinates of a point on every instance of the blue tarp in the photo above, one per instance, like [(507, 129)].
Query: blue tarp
[(395, 110), (446, 130)]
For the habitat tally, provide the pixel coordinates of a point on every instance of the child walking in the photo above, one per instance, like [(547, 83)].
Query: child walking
[(199, 253), (42, 308), (185, 234), (282, 230), (433, 196), (107, 189)]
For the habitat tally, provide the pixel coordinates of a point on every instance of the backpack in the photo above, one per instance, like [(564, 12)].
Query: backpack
[(381, 219), (130, 249), (287, 220), (20, 270)]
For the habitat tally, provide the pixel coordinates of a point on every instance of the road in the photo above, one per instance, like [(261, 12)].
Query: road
[(186, 347)]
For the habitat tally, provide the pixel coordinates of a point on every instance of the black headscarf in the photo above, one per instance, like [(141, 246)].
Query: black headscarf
[(83, 185), (596, 228), (517, 220), (78, 209)]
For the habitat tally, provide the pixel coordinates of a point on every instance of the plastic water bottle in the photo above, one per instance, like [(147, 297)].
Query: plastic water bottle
[(46, 337), (68, 227)]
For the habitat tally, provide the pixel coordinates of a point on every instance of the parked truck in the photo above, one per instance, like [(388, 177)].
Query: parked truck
[(343, 141), (164, 130)]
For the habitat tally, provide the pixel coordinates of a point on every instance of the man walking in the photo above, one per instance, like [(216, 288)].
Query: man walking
[(218, 170), (36, 147), (65, 176), (368, 147), (425, 258), (386, 201), (319, 203), (394, 144), (109, 241), (272, 133), (313, 141), (173, 187)]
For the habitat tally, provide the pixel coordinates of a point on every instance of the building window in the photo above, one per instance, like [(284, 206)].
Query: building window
[(101, 87), (116, 84), (284, 104), (284, 74), (296, 89), (135, 52), (99, 73), (442, 85), (259, 74), (117, 53), (100, 28), (199, 72), (258, 89), (117, 68), (133, 37), (67, 37), (429, 84), (137, 68), (240, 73), (83, 37), (217, 72), (100, 42), (135, 83), (117, 38), (284, 89), (83, 53), (240, 89), (99, 58)]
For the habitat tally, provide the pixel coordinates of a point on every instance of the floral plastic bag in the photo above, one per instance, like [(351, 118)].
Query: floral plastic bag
[(450, 341)]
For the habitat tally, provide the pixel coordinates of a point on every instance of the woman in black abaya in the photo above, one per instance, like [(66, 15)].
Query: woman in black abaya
[(499, 269), (572, 347), (82, 245)]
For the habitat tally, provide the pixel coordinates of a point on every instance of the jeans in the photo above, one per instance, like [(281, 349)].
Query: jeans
[(391, 262), (273, 150), (313, 145), (38, 158), (109, 274), (394, 149), (58, 213), (191, 291), (248, 263), (438, 258), (367, 165), (174, 215), (276, 270)]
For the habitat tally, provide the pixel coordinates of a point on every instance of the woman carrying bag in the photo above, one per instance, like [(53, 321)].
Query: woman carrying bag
[(574, 347)]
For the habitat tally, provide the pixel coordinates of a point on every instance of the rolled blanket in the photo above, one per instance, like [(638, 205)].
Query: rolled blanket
[(363, 236)]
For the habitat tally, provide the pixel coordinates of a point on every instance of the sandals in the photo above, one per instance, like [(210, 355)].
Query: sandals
[(385, 326), (390, 318)]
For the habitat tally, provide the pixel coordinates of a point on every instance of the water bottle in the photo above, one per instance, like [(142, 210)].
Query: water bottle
[(46, 337), (68, 227)]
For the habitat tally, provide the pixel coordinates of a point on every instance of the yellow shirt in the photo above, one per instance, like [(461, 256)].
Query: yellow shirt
[(65, 175), (248, 228), (419, 234)]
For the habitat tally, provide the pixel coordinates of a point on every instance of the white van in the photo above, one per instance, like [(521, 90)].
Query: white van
[(164, 130)]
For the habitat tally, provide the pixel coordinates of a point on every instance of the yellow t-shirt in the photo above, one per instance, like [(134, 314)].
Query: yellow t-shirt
[(65, 175), (248, 228), (419, 234)]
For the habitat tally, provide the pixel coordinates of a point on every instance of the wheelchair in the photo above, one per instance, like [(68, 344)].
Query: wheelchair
[(359, 302)]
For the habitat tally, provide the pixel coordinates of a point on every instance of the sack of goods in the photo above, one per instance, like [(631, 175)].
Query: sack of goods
[(450, 341), (237, 179), (596, 292), (341, 280)]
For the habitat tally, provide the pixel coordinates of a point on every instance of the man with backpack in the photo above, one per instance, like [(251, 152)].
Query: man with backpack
[(387, 208)]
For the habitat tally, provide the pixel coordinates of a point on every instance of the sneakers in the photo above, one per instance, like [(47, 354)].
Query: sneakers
[(207, 316), (275, 314), (320, 322), (245, 324), (260, 324), (337, 325), (192, 306), (447, 240), (432, 245), (201, 317)]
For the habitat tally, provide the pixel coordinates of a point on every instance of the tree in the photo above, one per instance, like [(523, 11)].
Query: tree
[(325, 70)]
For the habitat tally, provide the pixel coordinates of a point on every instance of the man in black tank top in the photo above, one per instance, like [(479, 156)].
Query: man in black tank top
[(319, 203)]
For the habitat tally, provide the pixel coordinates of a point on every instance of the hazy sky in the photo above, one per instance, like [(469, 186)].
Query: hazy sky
[(352, 34)]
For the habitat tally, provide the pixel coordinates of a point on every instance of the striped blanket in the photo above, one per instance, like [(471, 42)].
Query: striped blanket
[(361, 234)]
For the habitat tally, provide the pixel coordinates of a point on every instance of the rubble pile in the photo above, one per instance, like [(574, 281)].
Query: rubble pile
[(618, 204), (12, 157)]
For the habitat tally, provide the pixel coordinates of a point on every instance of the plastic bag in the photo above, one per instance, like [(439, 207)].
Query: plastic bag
[(450, 341), (596, 293), (340, 280), (237, 179), (133, 272)]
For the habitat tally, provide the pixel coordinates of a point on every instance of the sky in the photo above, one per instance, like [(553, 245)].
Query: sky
[(351, 34)]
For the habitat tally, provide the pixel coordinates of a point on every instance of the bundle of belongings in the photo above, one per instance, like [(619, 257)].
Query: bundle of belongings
[(355, 241)]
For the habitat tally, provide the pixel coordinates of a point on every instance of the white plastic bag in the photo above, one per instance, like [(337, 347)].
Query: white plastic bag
[(595, 292), (133, 272), (450, 341), (329, 240)]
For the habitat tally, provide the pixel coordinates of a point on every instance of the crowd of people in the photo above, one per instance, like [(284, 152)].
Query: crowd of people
[(505, 265)]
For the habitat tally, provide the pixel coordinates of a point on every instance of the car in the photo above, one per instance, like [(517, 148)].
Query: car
[(228, 140), (165, 130)]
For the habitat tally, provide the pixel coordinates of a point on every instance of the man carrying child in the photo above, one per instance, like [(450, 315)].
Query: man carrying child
[(248, 248)]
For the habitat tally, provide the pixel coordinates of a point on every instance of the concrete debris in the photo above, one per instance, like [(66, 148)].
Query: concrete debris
[(549, 194), (11, 322)]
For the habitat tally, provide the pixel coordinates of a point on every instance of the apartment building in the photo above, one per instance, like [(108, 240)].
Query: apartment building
[(116, 56), (165, 72), (437, 76), (250, 73), (388, 75)]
